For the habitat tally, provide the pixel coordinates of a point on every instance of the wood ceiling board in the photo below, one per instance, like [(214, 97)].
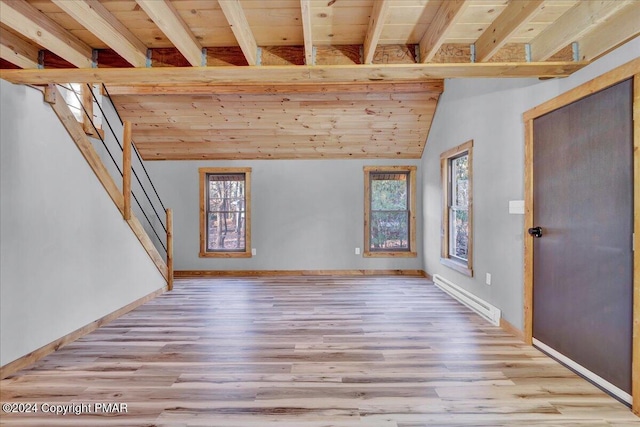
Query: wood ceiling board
[(313, 98), (337, 142), (266, 156), (279, 125), (269, 4), (466, 33), (330, 16), (284, 36), (400, 113), (409, 34), (150, 133), (411, 15), (267, 122), (174, 134), (339, 34), (287, 89)]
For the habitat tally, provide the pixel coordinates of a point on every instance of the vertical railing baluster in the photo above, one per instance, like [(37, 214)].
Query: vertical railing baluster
[(126, 169), (169, 249)]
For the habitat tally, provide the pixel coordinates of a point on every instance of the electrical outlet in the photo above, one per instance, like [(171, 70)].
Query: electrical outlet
[(253, 251), (488, 278), (357, 251)]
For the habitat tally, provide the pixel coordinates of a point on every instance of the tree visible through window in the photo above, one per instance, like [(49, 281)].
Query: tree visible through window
[(457, 202), (225, 212), (459, 208), (390, 211)]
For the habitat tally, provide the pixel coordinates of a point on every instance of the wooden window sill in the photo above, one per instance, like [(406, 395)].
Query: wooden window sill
[(390, 254), (458, 266), (225, 254)]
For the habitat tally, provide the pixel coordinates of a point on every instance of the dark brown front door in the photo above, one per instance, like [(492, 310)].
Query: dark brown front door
[(583, 262)]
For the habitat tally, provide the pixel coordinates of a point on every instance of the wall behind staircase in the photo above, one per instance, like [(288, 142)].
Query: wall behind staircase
[(66, 256)]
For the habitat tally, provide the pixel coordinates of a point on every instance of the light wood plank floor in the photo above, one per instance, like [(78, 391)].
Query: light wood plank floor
[(308, 352)]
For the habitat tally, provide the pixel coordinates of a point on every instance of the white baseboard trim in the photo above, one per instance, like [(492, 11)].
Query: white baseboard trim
[(475, 303), (620, 394)]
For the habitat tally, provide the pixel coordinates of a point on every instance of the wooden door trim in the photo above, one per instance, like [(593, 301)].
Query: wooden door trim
[(635, 364), (626, 71)]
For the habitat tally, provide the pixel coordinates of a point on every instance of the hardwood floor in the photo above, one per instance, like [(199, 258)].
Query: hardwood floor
[(307, 352)]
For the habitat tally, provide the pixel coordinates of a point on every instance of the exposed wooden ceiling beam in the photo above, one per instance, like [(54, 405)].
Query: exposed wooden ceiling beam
[(619, 28), (25, 19), (305, 8), (574, 24), (447, 16), (171, 24), (376, 22), (17, 51), (512, 18), (291, 73), (232, 10), (92, 15)]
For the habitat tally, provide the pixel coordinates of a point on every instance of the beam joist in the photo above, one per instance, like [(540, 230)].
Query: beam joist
[(92, 15), (446, 17), (165, 16), (621, 27), (25, 19), (17, 51), (514, 16), (305, 8), (578, 21), (232, 10), (365, 73), (376, 22)]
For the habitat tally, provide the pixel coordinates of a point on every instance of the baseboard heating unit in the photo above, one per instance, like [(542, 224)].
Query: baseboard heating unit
[(480, 306)]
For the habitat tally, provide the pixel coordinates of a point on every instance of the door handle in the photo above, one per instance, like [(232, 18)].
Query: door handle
[(535, 231)]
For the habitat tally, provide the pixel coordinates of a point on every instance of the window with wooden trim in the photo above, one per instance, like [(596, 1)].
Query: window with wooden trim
[(390, 211), (225, 212), (457, 212)]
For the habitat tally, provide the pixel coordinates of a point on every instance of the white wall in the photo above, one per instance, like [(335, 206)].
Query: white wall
[(66, 256), (489, 111), (306, 215)]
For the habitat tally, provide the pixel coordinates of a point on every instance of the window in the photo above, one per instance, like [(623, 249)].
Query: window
[(390, 211), (225, 212), (80, 98), (457, 205)]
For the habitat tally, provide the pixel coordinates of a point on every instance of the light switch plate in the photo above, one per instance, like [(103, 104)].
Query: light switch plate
[(516, 207)]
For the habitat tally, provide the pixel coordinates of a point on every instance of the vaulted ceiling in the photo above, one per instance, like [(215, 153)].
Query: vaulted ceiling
[(296, 78)]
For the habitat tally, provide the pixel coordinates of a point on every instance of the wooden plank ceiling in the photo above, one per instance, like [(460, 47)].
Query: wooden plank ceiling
[(229, 79)]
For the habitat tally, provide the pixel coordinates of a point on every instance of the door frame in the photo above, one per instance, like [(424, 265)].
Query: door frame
[(624, 72)]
